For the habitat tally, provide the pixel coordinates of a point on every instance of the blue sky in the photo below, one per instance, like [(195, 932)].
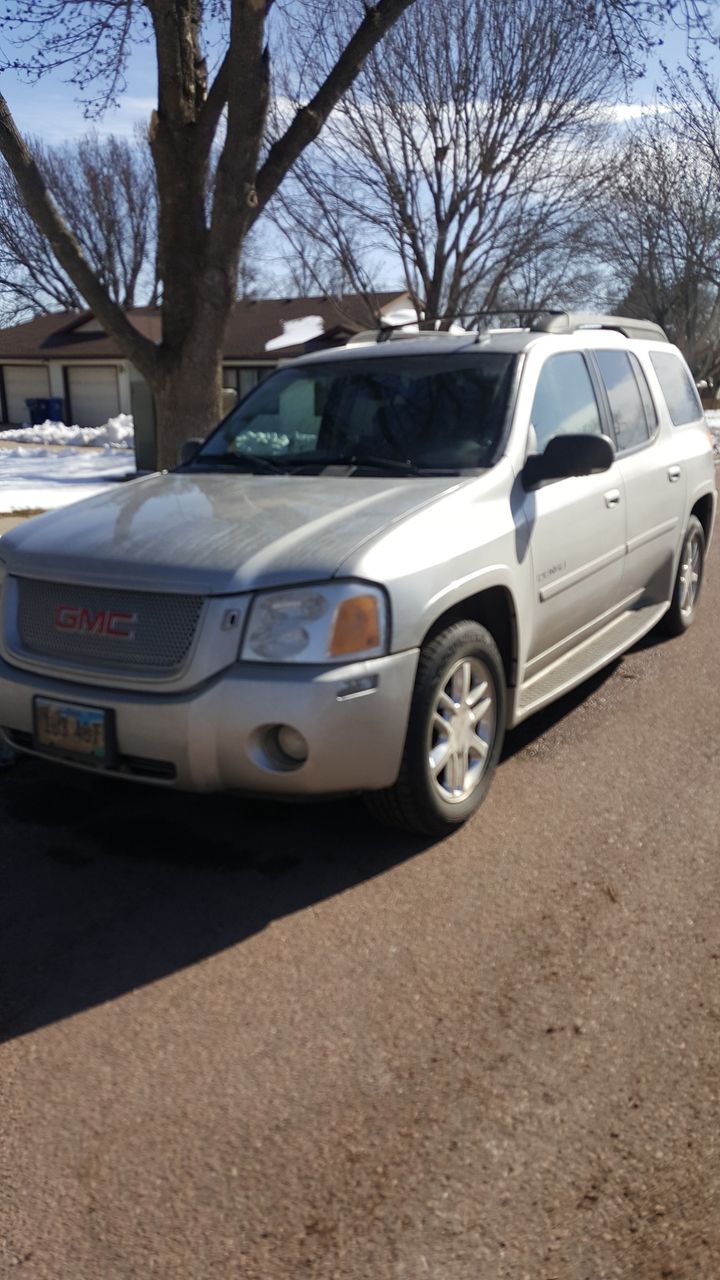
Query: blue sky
[(50, 109)]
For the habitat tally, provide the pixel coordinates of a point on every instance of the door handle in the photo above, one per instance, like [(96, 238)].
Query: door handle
[(674, 474), (612, 498)]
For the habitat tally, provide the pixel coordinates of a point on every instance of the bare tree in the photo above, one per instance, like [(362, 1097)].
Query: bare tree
[(31, 278), (459, 156), (106, 187), (658, 232), (201, 231)]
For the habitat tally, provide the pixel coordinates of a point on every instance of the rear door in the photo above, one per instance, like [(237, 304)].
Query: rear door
[(653, 478), (577, 525)]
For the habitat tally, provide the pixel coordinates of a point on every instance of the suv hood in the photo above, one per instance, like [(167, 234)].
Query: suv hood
[(215, 534)]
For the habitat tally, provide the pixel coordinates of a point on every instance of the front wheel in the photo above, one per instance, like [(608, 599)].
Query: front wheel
[(688, 582), (455, 734)]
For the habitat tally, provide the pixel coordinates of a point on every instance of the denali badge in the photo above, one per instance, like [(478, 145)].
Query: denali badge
[(104, 622)]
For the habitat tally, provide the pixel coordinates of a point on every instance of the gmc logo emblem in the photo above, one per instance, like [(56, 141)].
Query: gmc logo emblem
[(105, 622)]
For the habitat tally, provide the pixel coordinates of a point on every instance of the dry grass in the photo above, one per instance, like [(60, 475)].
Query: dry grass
[(22, 513)]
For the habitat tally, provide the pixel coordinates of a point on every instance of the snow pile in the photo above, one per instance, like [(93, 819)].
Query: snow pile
[(712, 417), (116, 433), (42, 479)]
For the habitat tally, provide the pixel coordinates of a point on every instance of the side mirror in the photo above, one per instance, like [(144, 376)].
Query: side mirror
[(565, 456), (188, 449)]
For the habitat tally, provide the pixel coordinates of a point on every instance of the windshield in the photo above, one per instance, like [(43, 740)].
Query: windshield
[(415, 414)]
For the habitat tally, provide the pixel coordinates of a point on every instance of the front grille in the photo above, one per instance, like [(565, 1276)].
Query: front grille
[(81, 625)]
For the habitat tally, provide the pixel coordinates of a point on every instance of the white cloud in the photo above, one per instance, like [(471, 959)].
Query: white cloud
[(623, 111)]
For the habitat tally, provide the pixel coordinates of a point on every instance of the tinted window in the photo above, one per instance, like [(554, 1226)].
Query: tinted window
[(648, 402), (564, 401), (628, 410), (435, 411), (678, 388)]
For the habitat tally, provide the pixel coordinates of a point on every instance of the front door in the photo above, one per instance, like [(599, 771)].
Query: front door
[(577, 525)]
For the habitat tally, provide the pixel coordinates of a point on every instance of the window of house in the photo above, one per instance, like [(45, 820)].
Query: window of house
[(244, 378)]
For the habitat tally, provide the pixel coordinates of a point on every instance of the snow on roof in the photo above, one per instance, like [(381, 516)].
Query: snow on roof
[(296, 332)]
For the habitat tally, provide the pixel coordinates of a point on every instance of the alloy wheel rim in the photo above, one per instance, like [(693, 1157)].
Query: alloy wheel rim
[(462, 730), (690, 574)]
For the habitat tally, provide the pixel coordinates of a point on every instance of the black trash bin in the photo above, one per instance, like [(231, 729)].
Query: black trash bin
[(56, 409), (39, 411)]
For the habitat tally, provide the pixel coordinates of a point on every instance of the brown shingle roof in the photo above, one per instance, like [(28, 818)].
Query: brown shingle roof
[(254, 322)]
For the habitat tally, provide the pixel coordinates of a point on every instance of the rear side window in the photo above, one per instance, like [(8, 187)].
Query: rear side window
[(678, 388), (564, 401), (625, 383)]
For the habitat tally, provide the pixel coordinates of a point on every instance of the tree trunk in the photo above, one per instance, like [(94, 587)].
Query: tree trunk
[(188, 400)]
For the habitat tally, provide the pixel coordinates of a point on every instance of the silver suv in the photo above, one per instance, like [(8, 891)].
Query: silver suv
[(383, 557)]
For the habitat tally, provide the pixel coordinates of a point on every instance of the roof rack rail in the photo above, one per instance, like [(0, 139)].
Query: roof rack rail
[(571, 321)]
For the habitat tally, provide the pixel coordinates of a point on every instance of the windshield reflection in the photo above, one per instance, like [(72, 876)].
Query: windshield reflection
[(406, 415)]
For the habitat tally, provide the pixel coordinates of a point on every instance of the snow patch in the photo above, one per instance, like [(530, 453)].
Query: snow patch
[(296, 332), (43, 479), (712, 417), (116, 433)]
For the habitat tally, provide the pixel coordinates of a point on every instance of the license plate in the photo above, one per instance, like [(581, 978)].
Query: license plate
[(75, 732)]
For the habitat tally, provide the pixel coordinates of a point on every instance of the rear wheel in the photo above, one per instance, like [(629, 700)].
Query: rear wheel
[(688, 583), (455, 734)]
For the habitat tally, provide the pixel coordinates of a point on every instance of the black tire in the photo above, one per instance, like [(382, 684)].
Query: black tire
[(421, 800), (681, 615)]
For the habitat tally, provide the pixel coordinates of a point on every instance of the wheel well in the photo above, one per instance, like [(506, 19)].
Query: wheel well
[(703, 509), (492, 609)]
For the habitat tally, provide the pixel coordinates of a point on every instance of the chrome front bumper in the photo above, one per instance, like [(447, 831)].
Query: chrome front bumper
[(214, 738)]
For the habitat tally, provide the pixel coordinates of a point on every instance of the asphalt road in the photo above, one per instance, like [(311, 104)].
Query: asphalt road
[(265, 1043)]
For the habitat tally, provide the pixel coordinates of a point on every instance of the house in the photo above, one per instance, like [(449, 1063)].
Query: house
[(68, 356)]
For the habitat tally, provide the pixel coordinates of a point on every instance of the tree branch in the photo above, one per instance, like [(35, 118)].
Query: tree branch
[(309, 120), (66, 248), (212, 109)]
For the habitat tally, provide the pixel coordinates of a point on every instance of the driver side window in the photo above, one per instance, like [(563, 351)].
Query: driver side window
[(564, 401)]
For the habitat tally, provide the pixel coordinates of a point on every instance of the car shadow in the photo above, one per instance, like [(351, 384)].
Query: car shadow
[(541, 722), (107, 887), (110, 886), (653, 640)]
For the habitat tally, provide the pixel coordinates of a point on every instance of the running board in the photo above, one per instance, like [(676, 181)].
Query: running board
[(586, 658)]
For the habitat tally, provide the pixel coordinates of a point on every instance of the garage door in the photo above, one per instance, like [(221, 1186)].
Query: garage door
[(93, 395), (23, 382)]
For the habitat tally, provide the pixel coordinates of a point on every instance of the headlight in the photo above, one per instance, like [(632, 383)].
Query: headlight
[(331, 622)]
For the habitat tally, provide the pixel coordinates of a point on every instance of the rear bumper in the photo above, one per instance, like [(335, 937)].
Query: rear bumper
[(216, 737)]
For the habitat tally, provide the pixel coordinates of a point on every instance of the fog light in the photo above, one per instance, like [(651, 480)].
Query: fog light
[(292, 743)]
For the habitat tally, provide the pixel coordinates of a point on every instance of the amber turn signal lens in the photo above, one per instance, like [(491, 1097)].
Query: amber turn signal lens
[(356, 626)]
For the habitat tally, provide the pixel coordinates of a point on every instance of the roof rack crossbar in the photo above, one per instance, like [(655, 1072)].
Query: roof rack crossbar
[(392, 333), (427, 326)]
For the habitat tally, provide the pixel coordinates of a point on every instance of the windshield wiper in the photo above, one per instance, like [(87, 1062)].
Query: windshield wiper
[(359, 461), (316, 459), (252, 462), (321, 459), (350, 459)]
